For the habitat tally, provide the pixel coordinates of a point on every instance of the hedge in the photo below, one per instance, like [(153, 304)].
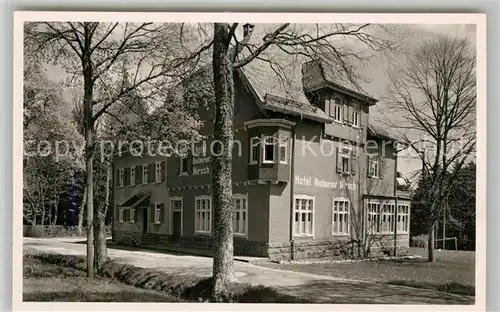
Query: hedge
[(40, 231), (184, 286)]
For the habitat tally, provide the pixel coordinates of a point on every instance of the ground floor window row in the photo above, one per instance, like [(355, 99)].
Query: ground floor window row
[(156, 214), (380, 217), (203, 213)]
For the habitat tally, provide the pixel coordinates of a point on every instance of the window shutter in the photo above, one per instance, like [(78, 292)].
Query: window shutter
[(381, 163), (331, 106), (178, 169), (368, 169), (117, 177), (163, 176), (151, 172), (152, 213), (189, 164), (345, 109), (138, 175), (339, 160), (126, 177), (117, 213), (162, 213), (354, 162)]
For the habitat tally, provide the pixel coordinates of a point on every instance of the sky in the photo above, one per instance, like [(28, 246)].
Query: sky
[(377, 74), (380, 81)]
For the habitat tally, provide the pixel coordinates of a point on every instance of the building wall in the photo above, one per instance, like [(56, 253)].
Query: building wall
[(269, 205), (121, 194)]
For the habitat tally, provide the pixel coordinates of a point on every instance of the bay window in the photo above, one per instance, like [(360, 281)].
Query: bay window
[(283, 149), (254, 150), (269, 149)]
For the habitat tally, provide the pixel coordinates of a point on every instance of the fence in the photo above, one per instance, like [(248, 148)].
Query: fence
[(450, 243)]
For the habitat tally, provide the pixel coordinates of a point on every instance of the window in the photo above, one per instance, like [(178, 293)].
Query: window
[(132, 215), (303, 215), (176, 204), (240, 217), (183, 165), (387, 219), (374, 168), (121, 177), (254, 150), (373, 216), (268, 148), (355, 119), (203, 210), (157, 213), (343, 160), (345, 164), (336, 109), (340, 216), (403, 218), (283, 149), (120, 215), (158, 172), (145, 174), (132, 176)]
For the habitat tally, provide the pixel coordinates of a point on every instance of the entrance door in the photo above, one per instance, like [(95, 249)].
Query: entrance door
[(177, 226), (144, 220)]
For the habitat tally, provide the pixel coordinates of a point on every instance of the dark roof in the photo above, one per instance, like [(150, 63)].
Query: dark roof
[(378, 131), (285, 106), (276, 74), (135, 200), (332, 77)]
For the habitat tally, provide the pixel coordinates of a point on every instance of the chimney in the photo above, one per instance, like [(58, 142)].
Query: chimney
[(247, 29), (312, 75)]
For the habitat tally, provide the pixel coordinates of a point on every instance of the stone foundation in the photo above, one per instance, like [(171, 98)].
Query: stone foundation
[(242, 247), (336, 248)]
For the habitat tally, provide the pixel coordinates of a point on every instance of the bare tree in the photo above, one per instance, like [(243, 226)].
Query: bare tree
[(92, 52), (436, 96), (230, 54)]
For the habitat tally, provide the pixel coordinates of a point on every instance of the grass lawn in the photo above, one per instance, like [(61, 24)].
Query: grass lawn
[(453, 271), (48, 282)]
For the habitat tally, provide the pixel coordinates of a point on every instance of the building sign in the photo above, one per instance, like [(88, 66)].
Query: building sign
[(201, 171), (315, 182), (200, 158)]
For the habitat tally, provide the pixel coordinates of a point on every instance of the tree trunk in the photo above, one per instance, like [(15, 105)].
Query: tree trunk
[(89, 147), (81, 209), (101, 255), (221, 164), (56, 208), (430, 243)]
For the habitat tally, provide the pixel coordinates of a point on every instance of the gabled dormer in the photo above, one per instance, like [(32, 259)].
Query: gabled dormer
[(347, 108)]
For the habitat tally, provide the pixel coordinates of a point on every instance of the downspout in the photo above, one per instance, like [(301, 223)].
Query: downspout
[(396, 207), (292, 190)]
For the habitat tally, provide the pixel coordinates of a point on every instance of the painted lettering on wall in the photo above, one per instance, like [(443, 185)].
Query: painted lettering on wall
[(315, 182), (201, 171)]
